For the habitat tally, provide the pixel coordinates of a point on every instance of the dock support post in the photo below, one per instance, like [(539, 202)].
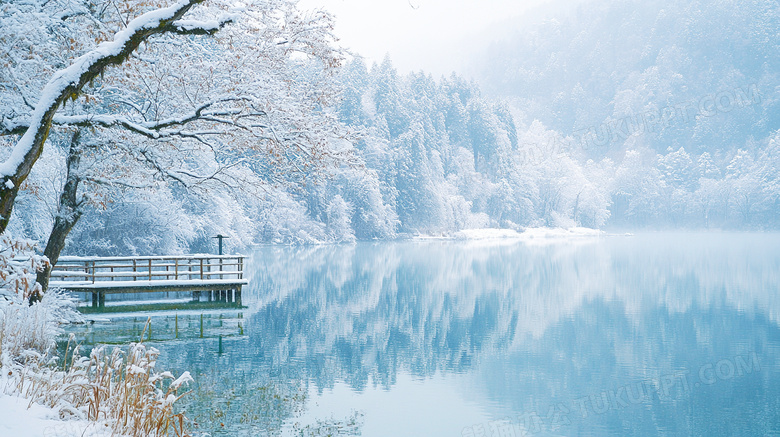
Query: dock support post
[(238, 295), (102, 299), (94, 299), (196, 296)]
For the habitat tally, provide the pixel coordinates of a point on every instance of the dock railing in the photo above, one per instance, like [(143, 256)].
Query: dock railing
[(168, 268), (196, 273)]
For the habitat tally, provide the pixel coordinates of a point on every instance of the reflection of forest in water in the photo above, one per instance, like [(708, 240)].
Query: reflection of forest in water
[(532, 325)]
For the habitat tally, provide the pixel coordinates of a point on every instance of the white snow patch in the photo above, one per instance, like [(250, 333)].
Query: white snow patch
[(93, 319), (528, 236), (89, 285), (197, 24), (560, 233), (136, 370), (486, 234), (185, 378), (207, 25), (9, 184), (37, 421)]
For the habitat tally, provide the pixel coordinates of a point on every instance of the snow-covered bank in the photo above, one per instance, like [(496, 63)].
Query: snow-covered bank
[(28, 334), (529, 235), (17, 420)]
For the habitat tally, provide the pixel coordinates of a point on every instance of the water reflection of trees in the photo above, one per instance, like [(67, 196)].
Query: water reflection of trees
[(536, 324), (366, 311)]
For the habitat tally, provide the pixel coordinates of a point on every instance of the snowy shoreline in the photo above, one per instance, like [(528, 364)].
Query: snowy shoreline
[(21, 418), (529, 235)]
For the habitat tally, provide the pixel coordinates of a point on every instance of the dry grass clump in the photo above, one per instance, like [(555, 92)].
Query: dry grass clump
[(24, 328), (120, 388)]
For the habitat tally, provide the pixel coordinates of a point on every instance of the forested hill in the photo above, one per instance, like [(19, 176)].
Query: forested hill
[(609, 114), (589, 67)]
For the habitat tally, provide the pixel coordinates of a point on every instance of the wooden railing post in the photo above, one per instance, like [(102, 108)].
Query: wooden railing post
[(176, 269), (93, 272), (135, 270), (201, 269), (150, 269)]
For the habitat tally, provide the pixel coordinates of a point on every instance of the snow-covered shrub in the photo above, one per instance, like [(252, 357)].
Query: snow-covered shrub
[(18, 266), (23, 328)]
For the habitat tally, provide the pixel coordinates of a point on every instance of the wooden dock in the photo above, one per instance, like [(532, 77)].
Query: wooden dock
[(220, 277)]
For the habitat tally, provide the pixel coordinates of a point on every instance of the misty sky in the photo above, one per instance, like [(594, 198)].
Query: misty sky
[(432, 35)]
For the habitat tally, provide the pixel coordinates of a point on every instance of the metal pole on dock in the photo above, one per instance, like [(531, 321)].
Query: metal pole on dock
[(220, 237)]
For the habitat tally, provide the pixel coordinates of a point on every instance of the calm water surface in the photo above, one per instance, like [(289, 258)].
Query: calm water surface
[(658, 334)]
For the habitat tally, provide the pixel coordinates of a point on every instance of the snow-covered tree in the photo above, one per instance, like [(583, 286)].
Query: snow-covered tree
[(246, 109), (67, 83), (745, 185)]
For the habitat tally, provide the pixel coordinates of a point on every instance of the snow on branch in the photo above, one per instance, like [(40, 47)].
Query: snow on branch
[(67, 83), (156, 130), (198, 27)]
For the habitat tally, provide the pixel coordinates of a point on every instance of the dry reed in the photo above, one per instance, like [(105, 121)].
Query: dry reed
[(119, 388)]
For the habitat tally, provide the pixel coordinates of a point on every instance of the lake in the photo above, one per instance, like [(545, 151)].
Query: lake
[(670, 334)]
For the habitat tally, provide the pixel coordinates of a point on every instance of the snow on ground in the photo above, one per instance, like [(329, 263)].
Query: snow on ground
[(529, 236), (38, 421), (486, 234), (559, 233)]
